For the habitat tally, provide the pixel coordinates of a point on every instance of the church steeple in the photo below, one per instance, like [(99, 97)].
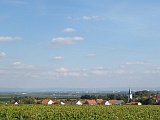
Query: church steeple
[(129, 95), (129, 90)]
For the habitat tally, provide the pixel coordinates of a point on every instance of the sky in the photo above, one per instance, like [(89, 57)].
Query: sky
[(79, 43)]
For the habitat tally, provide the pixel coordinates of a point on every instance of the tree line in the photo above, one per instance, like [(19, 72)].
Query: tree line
[(145, 97)]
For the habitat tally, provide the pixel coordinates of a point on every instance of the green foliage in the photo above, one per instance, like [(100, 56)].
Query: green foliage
[(27, 100), (143, 93), (73, 112), (86, 97), (148, 101)]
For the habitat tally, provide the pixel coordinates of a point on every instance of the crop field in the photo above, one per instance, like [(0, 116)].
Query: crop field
[(85, 112)]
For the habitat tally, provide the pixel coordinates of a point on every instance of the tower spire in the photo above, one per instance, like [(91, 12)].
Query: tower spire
[(129, 95)]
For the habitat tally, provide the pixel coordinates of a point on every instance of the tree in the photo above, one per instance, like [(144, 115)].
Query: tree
[(151, 101), (112, 96), (85, 97), (28, 100)]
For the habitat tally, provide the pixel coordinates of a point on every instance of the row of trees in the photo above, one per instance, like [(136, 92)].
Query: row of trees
[(145, 97)]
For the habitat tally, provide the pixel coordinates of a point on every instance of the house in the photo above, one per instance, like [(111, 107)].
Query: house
[(91, 102), (50, 102), (79, 103), (107, 103), (134, 103), (139, 103), (16, 103), (68, 102), (111, 102), (47, 102), (119, 102), (116, 102), (84, 101), (100, 101), (74, 102), (56, 101), (157, 98), (62, 103)]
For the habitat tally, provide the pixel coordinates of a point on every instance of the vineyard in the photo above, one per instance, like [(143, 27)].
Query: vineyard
[(73, 112)]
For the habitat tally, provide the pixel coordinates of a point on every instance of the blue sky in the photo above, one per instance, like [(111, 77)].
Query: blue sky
[(79, 44)]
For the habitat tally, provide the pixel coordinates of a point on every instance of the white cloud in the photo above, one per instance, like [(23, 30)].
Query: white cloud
[(137, 63), (66, 40), (99, 68), (2, 54), (69, 30), (91, 18), (72, 74), (120, 72), (58, 58), (62, 70), (100, 72), (152, 72), (8, 39), (15, 2), (20, 65), (91, 55), (72, 18), (17, 63)]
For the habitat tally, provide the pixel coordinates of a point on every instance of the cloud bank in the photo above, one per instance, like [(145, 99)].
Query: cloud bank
[(69, 30), (58, 58), (66, 40), (8, 39)]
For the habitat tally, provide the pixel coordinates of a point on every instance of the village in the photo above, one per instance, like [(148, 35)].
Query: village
[(89, 102), (147, 98)]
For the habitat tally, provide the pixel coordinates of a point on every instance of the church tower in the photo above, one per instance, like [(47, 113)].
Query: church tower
[(129, 95)]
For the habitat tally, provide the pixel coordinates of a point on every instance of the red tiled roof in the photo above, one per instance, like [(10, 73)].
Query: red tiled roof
[(83, 101), (99, 101), (45, 101), (91, 102), (116, 102), (56, 101), (68, 102), (133, 103), (111, 101)]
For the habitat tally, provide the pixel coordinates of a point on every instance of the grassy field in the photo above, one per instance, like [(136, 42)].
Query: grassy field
[(73, 112)]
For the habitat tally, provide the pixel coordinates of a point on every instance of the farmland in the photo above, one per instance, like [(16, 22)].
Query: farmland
[(84, 112)]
